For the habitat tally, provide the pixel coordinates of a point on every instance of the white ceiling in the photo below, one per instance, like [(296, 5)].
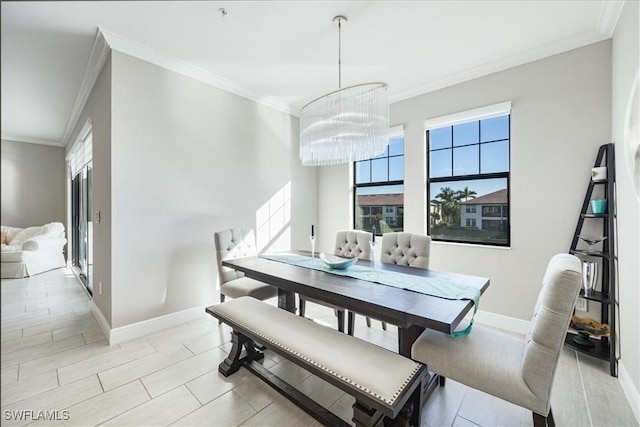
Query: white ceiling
[(281, 53)]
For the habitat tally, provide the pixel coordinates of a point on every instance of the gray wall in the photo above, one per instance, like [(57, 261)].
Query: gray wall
[(626, 69), (560, 116), (98, 110), (188, 159), (33, 184)]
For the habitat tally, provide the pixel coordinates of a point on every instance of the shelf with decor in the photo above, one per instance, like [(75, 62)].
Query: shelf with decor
[(597, 337), (600, 348)]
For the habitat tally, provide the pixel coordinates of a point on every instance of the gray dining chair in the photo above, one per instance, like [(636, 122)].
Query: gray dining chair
[(238, 243), (516, 370), (404, 249), (348, 244)]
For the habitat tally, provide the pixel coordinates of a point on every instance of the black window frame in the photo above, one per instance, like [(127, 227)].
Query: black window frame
[(472, 177), (377, 183)]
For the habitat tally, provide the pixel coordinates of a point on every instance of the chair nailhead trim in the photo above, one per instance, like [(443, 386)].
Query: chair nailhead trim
[(324, 368)]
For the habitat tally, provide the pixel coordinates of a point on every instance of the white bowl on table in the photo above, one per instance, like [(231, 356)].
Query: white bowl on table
[(336, 262)]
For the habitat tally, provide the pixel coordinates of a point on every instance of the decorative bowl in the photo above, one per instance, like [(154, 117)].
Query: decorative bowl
[(337, 263)]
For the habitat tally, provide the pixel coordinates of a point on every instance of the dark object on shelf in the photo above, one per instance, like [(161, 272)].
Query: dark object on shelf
[(583, 339), (591, 338)]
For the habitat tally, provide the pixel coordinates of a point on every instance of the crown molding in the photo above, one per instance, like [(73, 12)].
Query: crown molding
[(609, 15), (5, 137), (99, 54), (501, 64), (140, 51)]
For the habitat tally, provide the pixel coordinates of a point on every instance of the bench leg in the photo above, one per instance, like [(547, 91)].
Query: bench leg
[(233, 362), (365, 416)]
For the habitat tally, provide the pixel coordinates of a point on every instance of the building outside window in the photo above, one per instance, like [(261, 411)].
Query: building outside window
[(468, 158), (379, 188)]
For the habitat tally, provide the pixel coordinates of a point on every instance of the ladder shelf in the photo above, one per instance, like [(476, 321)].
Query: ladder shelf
[(603, 293)]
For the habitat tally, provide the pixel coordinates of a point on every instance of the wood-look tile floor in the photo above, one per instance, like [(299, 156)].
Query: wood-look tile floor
[(56, 363)]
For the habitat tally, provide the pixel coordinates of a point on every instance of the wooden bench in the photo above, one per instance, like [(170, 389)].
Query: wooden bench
[(386, 385)]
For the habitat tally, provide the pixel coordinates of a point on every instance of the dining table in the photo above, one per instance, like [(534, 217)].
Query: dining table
[(412, 312)]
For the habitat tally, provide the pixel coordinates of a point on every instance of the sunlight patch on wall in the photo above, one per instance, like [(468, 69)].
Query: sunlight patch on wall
[(273, 219)]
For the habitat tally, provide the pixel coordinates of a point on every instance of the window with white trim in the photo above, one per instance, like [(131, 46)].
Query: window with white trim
[(468, 171)]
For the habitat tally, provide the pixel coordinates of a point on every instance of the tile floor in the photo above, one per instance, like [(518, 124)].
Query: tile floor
[(55, 359)]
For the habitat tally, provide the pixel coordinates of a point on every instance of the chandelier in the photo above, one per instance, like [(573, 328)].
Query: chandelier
[(346, 125)]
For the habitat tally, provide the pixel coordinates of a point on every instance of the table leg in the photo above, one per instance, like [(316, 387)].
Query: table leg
[(406, 337), (287, 300)]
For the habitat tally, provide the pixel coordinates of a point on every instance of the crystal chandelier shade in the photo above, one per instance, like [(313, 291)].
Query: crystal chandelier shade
[(346, 125)]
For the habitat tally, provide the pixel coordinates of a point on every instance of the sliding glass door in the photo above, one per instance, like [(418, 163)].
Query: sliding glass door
[(82, 226)]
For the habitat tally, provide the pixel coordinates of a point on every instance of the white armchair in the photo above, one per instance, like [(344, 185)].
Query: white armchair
[(31, 250)]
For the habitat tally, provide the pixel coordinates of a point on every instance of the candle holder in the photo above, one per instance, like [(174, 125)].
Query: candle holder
[(313, 246), (372, 244)]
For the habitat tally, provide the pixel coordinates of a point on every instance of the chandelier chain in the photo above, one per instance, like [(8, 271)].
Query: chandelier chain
[(339, 53)]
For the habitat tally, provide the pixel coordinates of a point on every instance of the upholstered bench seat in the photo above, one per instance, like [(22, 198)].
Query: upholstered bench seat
[(377, 377)]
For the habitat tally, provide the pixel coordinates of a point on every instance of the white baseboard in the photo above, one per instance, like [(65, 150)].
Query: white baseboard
[(510, 324), (135, 330), (630, 391), (102, 322)]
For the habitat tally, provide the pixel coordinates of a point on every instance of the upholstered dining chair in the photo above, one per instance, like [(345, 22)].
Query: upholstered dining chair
[(516, 370), (349, 244), (404, 249), (238, 243)]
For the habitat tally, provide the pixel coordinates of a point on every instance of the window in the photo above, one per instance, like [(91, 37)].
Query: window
[(468, 158), (379, 188)]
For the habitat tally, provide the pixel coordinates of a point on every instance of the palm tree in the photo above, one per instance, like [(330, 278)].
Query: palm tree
[(466, 194), (446, 194), (450, 204)]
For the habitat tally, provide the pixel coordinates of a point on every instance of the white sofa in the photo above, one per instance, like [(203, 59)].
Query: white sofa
[(31, 250)]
